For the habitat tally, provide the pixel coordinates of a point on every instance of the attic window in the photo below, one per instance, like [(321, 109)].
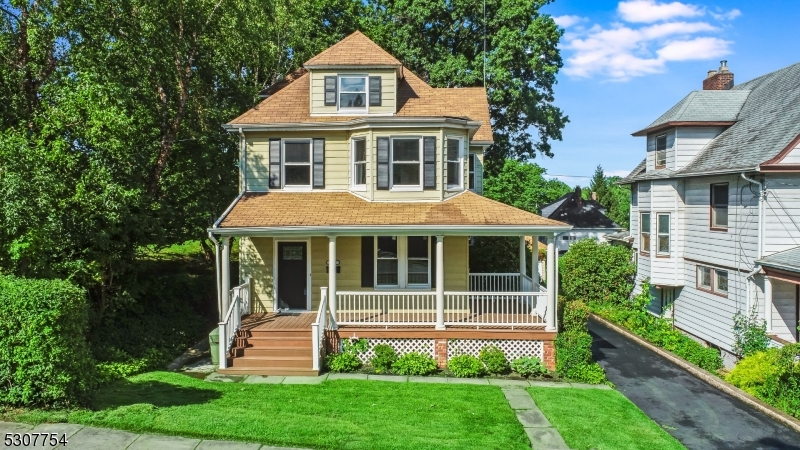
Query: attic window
[(661, 151), (352, 92)]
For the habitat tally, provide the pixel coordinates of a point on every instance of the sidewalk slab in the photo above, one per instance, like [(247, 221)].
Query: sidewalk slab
[(427, 379), (508, 383), (348, 376), (546, 439), (261, 379), (91, 438), (304, 380), (532, 418), (60, 429), (519, 399), (14, 427), (227, 445), (552, 384), (218, 377), (395, 378), (468, 381), (153, 442)]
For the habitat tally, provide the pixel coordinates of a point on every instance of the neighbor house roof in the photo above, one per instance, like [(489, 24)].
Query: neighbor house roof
[(579, 213), (343, 209), (701, 107), (786, 260), (354, 50), (767, 122)]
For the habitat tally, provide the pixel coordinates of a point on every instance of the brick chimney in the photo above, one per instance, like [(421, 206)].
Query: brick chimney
[(719, 80), (578, 195)]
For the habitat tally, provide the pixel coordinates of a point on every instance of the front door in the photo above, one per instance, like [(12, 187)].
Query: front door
[(292, 267)]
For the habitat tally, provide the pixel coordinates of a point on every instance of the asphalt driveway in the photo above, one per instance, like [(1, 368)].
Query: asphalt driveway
[(695, 413)]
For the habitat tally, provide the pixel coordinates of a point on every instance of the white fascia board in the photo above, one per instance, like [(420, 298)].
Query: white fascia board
[(359, 124), (394, 230)]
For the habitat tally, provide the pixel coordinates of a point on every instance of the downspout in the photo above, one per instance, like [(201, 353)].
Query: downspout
[(760, 251)]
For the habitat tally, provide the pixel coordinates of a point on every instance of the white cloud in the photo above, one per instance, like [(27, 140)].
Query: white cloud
[(568, 21), (730, 15), (649, 11), (697, 48)]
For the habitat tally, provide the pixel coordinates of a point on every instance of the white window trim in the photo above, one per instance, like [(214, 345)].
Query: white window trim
[(339, 108), (642, 232), (461, 163), (310, 165), (713, 284), (659, 234), (353, 185), (406, 188), (666, 148), (402, 266)]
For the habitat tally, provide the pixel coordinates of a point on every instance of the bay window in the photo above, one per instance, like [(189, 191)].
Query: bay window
[(453, 157), (406, 162), (472, 162), (663, 234), (297, 163), (644, 241), (359, 163), (402, 261), (661, 151)]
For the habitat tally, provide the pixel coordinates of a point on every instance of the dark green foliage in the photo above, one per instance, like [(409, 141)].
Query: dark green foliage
[(616, 198), (528, 366), (575, 316), (773, 376), (44, 357), (466, 366), (385, 356), (574, 344), (750, 333), (523, 186), (343, 362), (634, 316), (493, 359), (355, 345), (414, 363), (495, 254), (595, 272)]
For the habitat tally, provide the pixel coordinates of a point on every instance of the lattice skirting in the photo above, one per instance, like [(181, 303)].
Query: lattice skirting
[(512, 348), (401, 346)]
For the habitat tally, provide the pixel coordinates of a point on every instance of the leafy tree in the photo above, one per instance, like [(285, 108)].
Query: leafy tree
[(443, 42), (523, 186), (616, 198)]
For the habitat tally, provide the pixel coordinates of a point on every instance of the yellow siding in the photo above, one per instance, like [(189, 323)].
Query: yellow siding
[(348, 252), (456, 263), (255, 259), (388, 90)]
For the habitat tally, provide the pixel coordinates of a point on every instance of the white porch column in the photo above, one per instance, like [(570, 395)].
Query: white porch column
[(522, 263), (768, 303), (551, 284), (440, 283), (225, 283), (535, 263), (332, 275)]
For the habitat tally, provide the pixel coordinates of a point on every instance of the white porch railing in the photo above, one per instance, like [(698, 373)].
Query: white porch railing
[(322, 323), (385, 308), (494, 308), (240, 305), (500, 282)]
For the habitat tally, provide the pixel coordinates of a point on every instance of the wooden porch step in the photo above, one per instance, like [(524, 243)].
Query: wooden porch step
[(277, 342), (270, 352), (276, 332), (282, 371), (299, 362)]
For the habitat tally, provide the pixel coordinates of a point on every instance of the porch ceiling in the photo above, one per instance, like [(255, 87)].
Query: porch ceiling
[(342, 213)]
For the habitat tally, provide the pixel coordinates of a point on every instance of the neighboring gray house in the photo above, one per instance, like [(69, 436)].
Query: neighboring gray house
[(715, 207), (587, 217)]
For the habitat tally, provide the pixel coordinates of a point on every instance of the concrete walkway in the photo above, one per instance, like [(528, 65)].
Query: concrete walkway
[(91, 438), (539, 430), (694, 412)]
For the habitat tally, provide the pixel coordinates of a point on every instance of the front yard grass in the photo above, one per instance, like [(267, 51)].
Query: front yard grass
[(343, 414), (600, 419)]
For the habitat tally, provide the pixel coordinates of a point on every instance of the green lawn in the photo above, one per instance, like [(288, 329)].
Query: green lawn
[(333, 415), (600, 419)]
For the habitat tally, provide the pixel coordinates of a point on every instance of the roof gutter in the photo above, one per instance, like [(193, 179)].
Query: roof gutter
[(399, 230), (355, 124)]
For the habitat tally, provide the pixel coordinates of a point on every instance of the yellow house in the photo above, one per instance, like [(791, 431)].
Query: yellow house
[(360, 187)]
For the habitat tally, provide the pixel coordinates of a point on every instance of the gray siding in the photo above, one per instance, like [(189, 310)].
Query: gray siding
[(782, 213), (784, 304), (689, 141), (793, 157)]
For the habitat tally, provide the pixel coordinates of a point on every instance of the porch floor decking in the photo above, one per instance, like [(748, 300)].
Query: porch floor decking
[(272, 321)]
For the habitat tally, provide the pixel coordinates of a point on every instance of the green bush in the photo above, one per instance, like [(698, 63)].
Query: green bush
[(595, 272), (753, 371), (466, 366), (343, 362), (773, 376), (749, 333), (384, 357), (575, 316), (574, 358), (493, 359), (44, 357), (528, 366), (414, 363)]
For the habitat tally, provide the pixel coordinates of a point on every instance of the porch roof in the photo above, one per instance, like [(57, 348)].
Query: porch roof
[(343, 213)]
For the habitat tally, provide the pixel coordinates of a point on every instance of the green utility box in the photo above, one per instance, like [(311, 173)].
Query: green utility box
[(213, 343)]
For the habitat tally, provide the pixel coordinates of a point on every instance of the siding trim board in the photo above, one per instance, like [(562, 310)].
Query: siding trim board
[(783, 275), (782, 154), (713, 265)]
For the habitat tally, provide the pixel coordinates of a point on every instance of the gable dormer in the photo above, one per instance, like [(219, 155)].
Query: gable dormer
[(355, 77)]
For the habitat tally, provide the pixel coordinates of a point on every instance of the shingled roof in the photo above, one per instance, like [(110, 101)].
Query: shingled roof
[(785, 260), (579, 213), (354, 50)]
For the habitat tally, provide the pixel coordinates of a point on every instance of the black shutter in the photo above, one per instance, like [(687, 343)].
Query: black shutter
[(367, 261), (429, 169), (330, 91), (383, 163), (319, 163), (374, 91), (275, 163), (432, 262)]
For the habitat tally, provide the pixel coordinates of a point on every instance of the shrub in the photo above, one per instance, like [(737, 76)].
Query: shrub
[(528, 366), (750, 333), (465, 366), (754, 370), (414, 363), (343, 362), (384, 357), (596, 272), (493, 359), (773, 376), (575, 316), (354, 345), (44, 357)]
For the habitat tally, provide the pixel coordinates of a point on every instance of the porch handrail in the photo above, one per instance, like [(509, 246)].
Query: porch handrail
[(494, 308), (228, 328), (321, 324), (386, 307)]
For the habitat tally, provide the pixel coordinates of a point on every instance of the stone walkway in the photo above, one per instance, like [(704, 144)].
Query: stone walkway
[(91, 438), (537, 427)]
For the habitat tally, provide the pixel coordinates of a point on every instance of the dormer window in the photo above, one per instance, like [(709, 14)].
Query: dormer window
[(352, 92), (661, 151)]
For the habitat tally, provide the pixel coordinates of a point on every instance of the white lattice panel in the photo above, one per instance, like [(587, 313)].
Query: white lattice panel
[(512, 348), (401, 346)]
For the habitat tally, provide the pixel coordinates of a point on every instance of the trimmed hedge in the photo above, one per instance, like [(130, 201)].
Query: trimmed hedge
[(574, 346), (44, 357), (596, 272)]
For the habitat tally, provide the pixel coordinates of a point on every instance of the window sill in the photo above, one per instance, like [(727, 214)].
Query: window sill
[(454, 188), (406, 189), (664, 256), (709, 291), (661, 167), (297, 188), (722, 230), (359, 188), (644, 253)]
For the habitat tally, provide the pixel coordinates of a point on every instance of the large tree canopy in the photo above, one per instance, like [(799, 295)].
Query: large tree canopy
[(523, 186)]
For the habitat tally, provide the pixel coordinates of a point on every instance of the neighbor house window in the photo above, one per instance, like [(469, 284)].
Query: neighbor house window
[(353, 92), (360, 162), (472, 162), (712, 280), (454, 173), (661, 151), (663, 234), (403, 261), (719, 206), (406, 162), (297, 163), (644, 244)]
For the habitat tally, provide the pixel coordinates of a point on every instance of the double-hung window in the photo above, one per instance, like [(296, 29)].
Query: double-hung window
[(644, 225), (663, 234), (454, 158), (712, 280), (359, 163), (472, 162), (661, 151), (297, 164), (352, 92), (406, 163), (719, 207), (402, 261)]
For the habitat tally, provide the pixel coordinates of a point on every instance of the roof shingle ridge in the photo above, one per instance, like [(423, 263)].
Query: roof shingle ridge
[(355, 35)]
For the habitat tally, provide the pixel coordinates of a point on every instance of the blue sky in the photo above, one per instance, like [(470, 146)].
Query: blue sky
[(627, 62)]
